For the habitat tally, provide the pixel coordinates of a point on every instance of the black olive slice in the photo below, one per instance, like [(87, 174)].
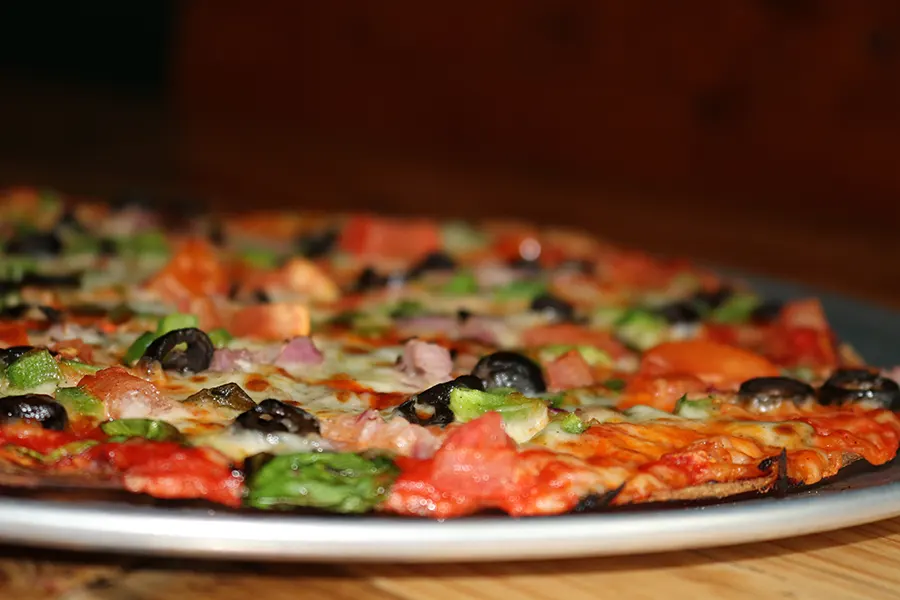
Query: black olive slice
[(767, 393), (10, 355), (713, 298), (369, 279), (594, 502), (555, 308), (35, 243), (14, 311), (56, 280), (767, 311), (577, 265), (317, 244), (506, 369), (679, 312), (107, 247), (272, 415), (34, 407), (436, 400), (436, 261), (195, 356), (857, 385), (524, 264), (54, 315)]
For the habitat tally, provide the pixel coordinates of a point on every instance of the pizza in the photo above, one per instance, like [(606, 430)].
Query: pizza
[(362, 363)]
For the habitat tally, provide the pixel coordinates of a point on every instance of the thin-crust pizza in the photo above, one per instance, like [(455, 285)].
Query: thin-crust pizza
[(355, 363)]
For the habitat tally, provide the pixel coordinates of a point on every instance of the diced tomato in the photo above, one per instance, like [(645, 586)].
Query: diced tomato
[(123, 394), (193, 271), (208, 313), (474, 468), (34, 437), (74, 348), (640, 270), (802, 346), (296, 275), (271, 321), (659, 392), (13, 334), (804, 314), (569, 371), (716, 364), (366, 235), (170, 470), (571, 334)]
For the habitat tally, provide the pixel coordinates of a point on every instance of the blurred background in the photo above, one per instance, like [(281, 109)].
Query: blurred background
[(763, 135)]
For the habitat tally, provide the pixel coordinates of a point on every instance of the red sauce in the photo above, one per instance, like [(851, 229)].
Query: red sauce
[(257, 384)]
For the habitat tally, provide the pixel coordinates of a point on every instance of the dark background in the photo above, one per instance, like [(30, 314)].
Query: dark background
[(760, 134)]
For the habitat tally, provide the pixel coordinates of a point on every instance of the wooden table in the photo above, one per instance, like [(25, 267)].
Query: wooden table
[(859, 563), (847, 255)]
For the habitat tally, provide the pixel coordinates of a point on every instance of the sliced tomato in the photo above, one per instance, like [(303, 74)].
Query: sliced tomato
[(569, 371), (13, 334), (74, 348), (271, 321), (170, 470), (123, 394), (720, 365), (660, 392), (366, 235), (571, 334), (296, 275), (640, 270), (34, 437), (474, 468), (194, 270), (804, 314)]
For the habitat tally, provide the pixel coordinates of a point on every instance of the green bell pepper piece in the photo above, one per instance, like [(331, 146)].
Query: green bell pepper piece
[(138, 347), (33, 369), (340, 482), (79, 401), (220, 337), (149, 429), (461, 284), (175, 321)]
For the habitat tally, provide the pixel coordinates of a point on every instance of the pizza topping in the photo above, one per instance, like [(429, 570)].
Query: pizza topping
[(568, 371), (431, 361), (717, 364), (182, 350), (276, 321), (120, 430), (39, 408), (641, 329), (506, 369), (229, 395), (339, 482), (553, 307), (434, 261), (79, 403), (124, 395), (32, 369), (523, 417), (274, 415), (848, 386), (432, 406), (299, 351), (764, 394)]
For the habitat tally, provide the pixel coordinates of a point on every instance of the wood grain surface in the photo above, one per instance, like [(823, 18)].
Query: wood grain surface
[(854, 564)]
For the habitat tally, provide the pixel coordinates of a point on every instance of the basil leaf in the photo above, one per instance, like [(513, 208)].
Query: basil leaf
[(157, 431), (341, 482)]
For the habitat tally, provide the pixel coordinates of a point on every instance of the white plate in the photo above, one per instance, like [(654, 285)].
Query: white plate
[(199, 533)]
